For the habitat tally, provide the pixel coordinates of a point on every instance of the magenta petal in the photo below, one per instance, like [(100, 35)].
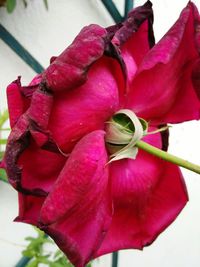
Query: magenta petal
[(162, 90), (39, 168), (69, 70), (40, 108), (16, 102), (18, 97), (77, 212), (86, 108), (125, 33), (35, 120), (148, 195), (133, 38), (29, 208)]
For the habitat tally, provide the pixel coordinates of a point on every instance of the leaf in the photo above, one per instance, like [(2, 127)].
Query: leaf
[(46, 4), (1, 154), (58, 253), (10, 5), (3, 175), (3, 141), (56, 264), (4, 115), (38, 256), (5, 129), (29, 253), (44, 259), (33, 263), (25, 3)]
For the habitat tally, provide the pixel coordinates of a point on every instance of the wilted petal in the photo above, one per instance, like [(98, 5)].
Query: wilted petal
[(33, 122), (70, 69), (135, 37), (162, 89), (77, 212), (148, 195), (16, 102)]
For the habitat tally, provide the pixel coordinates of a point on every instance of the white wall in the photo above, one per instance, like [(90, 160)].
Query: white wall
[(47, 33)]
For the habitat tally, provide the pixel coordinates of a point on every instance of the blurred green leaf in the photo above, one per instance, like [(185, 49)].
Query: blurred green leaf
[(33, 263), (36, 253), (10, 5), (5, 129), (1, 154), (3, 118), (3, 141), (46, 4), (25, 3), (3, 175)]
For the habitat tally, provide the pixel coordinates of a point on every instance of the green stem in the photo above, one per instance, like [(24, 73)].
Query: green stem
[(168, 157)]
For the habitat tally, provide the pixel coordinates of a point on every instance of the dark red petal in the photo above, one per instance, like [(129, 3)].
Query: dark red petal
[(162, 90), (148, 195), (125, 32), (34, 121), (69, 70), (134, 37), (17, 104), (77, 212), (29, 208), (39, 168)]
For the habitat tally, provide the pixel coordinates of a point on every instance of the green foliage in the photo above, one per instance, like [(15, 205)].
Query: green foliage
[(3, 141), (37, 254), (3, 118), (3, 175), (46, 4), (10, 5)]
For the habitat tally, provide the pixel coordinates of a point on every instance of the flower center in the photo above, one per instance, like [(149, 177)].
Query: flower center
[(123, 130)]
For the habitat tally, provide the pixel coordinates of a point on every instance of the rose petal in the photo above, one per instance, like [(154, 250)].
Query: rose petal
[(148, 195), (162, 90), (69, 70), (79, 202), (17, 104), (29, 208), (85, 108), (135, 37), (127, 31), (40, 168), (34, 121), (132, 38)]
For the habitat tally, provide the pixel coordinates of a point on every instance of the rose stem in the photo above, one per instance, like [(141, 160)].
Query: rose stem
[(167, 156)]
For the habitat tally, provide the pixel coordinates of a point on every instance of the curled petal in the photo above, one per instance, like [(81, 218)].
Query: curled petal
[(32, 123), (17, 104), (40, 108), (134, 37), (148, 195), (79, 203), (162, 90), (69, 70), (126, 32)]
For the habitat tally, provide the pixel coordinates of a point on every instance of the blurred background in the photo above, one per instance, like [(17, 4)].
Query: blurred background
[(47, 32)]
